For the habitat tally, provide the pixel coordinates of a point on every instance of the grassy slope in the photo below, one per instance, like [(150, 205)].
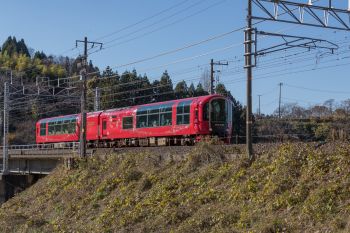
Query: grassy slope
[(295, 188)]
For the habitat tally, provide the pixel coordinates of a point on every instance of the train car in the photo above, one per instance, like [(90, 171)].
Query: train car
[(176, 122), (57, 129)]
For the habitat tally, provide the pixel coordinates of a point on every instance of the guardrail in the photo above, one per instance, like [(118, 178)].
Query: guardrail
[(52, 146)]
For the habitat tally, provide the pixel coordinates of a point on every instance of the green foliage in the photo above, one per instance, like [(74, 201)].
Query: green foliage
[(322, 132), (12, 47), (181, 90)]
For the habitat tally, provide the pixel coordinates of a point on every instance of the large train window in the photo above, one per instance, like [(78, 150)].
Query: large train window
[(127, 123), (58, 127), (183, 113), (72, 126), (51, 128), (166, 115), (42, 129), (62, 126), (154, 116)]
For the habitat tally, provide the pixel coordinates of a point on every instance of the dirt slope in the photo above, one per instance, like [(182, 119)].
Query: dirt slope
[(295, 188)]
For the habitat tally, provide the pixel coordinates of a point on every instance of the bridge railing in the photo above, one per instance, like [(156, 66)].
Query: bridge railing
[(50, 146)]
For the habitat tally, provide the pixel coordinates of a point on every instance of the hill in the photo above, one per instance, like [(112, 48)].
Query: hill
[(289, 188)]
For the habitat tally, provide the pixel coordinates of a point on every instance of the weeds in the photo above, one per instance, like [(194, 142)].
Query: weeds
[(290, 188)]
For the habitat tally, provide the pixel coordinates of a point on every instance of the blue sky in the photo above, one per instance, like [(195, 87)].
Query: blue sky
[(53, 26)]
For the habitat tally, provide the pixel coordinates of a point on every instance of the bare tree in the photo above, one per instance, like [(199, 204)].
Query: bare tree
[(319, 111), (346, 106), (329, 104), (205, 80)]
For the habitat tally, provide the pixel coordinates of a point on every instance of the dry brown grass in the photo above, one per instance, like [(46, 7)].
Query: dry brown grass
[(291, 188)]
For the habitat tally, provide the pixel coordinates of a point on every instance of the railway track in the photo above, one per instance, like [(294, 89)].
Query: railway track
[(180, 152)]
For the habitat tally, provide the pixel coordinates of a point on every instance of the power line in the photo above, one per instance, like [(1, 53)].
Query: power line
[(143, 20), (215, 37), (157, 22), (318, 90), (158, 29)]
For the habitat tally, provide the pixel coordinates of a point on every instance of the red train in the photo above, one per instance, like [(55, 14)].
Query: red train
[(176, 122)]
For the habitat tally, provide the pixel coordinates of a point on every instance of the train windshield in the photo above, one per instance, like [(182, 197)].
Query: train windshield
[(218, 110), (218, 113)]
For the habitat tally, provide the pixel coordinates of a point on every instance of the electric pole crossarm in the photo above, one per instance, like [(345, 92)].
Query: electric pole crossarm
[(93, 43), (212, 64), (338, 17), (304, 5), (335, 15), (290, 13), (296, 42)]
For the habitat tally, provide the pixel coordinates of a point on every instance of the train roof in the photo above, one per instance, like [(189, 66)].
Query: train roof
[(66, 117), (198, 99)]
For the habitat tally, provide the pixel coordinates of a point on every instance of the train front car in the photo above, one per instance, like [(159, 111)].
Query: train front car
[(215, 117)]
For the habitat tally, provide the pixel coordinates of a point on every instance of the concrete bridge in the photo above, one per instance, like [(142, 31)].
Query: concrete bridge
[(35, 159), (23, 165)]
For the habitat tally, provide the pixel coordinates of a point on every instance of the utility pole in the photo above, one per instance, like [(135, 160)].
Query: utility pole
[(308, 15), (259, 112), (212, 76), (6, 129), (249, 66), (212, 64), (97, 99), (83, 74), (280, 100)]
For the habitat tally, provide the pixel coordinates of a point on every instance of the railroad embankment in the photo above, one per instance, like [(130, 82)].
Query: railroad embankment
[(289, 188)]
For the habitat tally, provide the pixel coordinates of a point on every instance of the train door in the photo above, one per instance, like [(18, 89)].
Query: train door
[(104, 127)]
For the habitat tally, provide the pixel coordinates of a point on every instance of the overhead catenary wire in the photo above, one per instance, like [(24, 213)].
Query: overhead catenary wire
[(122, 84), (242, 28), (157, 29), (142, 20), (186, 47), (157, 22), (317, 90)]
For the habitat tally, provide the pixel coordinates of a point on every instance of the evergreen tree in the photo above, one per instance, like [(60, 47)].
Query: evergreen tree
[(191, 91), (181, 90), (10, 46), (238, 120), (39, 55), (108, 72), (200, 90), (156, 91), (145, 94), (221, 89), (22, 48), (165, 86)]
